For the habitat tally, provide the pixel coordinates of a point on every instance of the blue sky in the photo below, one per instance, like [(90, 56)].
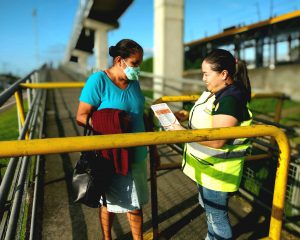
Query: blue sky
[(27, 41)]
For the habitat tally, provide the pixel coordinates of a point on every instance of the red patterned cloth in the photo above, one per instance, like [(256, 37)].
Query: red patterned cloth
[(113, 121)]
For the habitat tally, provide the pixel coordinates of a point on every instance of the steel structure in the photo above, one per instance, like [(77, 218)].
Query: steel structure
[(267, 33)]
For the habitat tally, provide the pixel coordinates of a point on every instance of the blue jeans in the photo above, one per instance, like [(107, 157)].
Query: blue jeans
[(215, 204)]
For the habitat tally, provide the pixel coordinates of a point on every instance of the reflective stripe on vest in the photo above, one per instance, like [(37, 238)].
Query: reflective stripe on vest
[(217, 169)]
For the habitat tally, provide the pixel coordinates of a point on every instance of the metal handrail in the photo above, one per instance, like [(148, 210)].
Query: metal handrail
[(79, 85), (51, 85), (155, 163), (37, 177), (75, 144), (14, 180), (6, 94), (174, 79), (186, 98), (9, 173), (54, 85), (13, 220)]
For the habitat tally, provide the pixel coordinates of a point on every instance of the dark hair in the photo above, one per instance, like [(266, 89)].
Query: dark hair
[(221, 59), (125, 48)]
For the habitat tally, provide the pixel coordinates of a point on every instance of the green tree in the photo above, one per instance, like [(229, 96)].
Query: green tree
[(147, 65)]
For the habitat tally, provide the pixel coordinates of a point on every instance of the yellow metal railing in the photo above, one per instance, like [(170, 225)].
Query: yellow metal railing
[(278, 108), (53, 85), (277, 116), (190, 98), (75, 144), (49, 85), (20, 109)]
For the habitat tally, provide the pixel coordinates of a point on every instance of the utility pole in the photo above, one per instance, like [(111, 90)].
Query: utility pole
[(271, 8), (258, 11), (36, 38), (220, 24)]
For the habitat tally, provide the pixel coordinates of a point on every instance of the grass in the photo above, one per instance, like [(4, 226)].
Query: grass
[(9, 124), (290, 110), (8, 130)]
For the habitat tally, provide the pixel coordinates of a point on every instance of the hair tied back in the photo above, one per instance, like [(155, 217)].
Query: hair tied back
[(112, 51)]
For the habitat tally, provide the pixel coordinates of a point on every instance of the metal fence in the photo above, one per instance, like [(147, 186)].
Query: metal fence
[(12, 187), (16, 180)]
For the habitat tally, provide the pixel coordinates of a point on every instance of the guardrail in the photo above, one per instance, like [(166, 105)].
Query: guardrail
[(280, 97), (75, 144), (155, 163), (56, 145), (17, 168)]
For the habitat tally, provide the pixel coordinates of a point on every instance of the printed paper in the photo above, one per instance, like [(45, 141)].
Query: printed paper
[(165, 116)]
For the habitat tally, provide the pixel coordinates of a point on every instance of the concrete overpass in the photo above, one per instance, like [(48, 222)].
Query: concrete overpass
[(94, 19)]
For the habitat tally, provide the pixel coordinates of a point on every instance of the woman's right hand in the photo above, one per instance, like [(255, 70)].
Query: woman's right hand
[(182, 115)]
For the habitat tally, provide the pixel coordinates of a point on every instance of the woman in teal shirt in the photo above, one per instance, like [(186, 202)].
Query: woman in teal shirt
[(117, 87)]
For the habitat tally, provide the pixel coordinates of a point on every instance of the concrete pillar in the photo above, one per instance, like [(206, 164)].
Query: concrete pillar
[(168, 44), (209, 48), (289, 40), (100, 42), (275, 51), (82, 57), (237, 47), (299, 47), (259, 52), (270, 50)]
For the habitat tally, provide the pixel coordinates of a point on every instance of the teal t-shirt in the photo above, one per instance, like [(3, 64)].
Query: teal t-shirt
[(100, 92)]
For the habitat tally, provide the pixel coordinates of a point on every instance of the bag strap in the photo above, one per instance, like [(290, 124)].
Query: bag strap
[(87, 128)]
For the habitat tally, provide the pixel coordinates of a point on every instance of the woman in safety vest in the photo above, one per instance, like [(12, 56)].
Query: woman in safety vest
[(217, 165)]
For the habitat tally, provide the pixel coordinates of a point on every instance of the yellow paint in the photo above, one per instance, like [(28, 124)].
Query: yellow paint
[(234, 31), (76, 144), (49, 85), (20, 109), (189, 98), (177, 98), (148, 235)]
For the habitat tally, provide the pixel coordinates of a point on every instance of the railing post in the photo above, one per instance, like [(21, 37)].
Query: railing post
[(29, 93), (280, 184), (153, 181), (20, 110), (278, 109), (277, 114)]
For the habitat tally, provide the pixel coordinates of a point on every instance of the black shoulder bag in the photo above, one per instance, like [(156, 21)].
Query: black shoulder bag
[(92, 176)]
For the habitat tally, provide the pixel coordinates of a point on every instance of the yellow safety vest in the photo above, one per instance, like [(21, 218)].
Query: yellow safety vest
[(216, 169)]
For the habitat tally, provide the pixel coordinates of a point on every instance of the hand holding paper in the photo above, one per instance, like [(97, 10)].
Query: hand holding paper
[(166, 117)]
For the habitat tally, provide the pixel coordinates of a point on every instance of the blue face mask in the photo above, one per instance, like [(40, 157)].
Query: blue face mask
[(132, 73)]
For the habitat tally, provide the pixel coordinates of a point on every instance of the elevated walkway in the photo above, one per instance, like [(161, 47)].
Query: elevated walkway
[(180, 216)]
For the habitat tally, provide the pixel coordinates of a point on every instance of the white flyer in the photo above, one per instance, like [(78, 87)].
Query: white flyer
[(165, 116)]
